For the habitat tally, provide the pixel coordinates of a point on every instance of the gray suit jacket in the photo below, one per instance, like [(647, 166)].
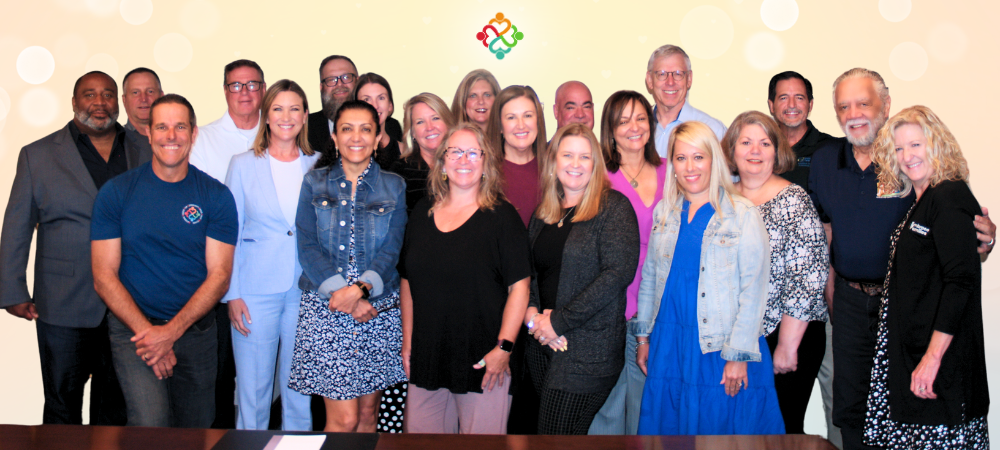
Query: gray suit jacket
[(54, 192), (598, 263)]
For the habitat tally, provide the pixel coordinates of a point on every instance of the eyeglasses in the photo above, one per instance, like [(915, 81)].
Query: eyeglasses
[(662, 75), (455, 153), (252, 86), (346, 78)]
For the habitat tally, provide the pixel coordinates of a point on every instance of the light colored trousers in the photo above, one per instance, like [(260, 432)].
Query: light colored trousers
[(442, 412), (825, 378), (620, 413), (269, 344)]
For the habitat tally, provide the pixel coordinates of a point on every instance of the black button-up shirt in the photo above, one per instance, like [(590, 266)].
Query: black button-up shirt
[(845, 197), (812, 141), (100, 170)]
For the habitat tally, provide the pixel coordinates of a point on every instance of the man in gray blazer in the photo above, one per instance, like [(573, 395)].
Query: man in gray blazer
[(54, 188)]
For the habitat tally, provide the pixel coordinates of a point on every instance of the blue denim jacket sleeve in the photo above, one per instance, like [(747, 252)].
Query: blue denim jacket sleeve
[(643, 322), (754, 266), (383, 264), (315, 265)]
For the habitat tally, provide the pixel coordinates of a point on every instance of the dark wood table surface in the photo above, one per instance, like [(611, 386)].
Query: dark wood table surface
[(75, 437)]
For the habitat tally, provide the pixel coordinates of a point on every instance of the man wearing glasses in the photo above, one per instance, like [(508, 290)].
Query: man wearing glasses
[(337, 75), (234, 133), (668, 78)]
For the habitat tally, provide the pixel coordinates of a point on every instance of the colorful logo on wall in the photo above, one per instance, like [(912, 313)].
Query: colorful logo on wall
[(192, 214), (497, 41)]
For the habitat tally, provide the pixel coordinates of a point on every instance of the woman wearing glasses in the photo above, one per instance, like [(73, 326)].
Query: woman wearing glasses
[(585, 249), (474, 98), (517, 130), (350, 223), (464, 289)]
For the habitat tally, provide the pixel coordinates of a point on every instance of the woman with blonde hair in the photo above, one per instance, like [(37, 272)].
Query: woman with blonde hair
[(464, 290), (701, 309), (474, 98), (426, 120), (585, 249), (929, 385)]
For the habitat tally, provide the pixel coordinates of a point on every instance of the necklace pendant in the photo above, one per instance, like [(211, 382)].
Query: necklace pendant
[(635, 184), (559, 225)]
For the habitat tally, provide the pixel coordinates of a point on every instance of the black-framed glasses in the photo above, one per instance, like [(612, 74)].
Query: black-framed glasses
[(346, 78), (662, 75), (252, 86), (455, 153)]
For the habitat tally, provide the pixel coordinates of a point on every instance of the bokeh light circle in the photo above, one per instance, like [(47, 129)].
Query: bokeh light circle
[(764, 50), (39, 106), (894, 10), (35, 65), (779, 15), (136, 12)]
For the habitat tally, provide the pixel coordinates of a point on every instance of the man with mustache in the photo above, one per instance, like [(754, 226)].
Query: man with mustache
[(858, 223), (668, 79), (54, 188), (140, 88), (337, 77)]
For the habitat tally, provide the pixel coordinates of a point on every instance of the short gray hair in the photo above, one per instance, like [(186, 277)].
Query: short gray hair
[(858, 72), (665, 51)]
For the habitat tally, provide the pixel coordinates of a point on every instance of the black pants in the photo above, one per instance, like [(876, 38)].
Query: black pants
[(225, 379), (560, 412), (69, 356), (524, 404), (795, 388), (854, 316)]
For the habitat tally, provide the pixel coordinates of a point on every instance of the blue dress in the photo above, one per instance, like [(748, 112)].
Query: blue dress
[(683, 394)]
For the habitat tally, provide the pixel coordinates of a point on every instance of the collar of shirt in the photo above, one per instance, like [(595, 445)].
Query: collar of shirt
[(811, 137), (229, 125), (846, 160), (82, 139)]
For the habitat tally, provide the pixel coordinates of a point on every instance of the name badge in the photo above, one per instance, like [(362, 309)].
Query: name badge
[(919, 229)]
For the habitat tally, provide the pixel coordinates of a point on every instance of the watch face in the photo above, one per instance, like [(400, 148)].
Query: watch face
[(505, 345)]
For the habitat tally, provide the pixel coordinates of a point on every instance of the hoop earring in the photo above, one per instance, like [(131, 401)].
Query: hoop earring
[(444, 176)]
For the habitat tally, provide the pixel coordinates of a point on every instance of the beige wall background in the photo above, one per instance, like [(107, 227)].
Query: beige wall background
[(940, 56)]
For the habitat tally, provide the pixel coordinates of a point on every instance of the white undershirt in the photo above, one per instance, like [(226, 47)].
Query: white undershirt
[(287, 183)]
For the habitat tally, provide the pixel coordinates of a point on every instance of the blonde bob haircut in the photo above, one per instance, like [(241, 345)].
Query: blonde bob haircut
[(462, 94), (550, 207), (698, 135), (784, 158), (490, 188), (437, 105), (943, 152), (263, 139)]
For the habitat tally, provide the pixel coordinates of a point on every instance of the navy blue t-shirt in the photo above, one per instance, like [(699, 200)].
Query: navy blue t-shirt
[(163, 227)]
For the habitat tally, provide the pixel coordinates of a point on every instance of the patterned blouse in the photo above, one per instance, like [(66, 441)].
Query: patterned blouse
[(800, 258)]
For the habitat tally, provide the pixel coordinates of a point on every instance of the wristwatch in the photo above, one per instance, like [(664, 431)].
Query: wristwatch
[(505, 345), (365, 294)]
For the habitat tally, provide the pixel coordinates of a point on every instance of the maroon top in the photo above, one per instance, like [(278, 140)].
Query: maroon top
[(521, 187)]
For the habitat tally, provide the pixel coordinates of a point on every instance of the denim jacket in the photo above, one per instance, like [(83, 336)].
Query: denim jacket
[(323, 221), (732, 289)]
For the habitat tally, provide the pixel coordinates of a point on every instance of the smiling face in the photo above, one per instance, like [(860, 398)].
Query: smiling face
[(244, 102), (141, 90), (286, 116), (754, 152), (335, 96), (693, 167), (479, 102), (376, 95), (574, 165), (671, 92), (911, 155), (462, 173), (860, 111), (354, 135), (171, 135), (428, 128), (574, 104), (791, 105), (520, 124), (632, 131), (95, 104)]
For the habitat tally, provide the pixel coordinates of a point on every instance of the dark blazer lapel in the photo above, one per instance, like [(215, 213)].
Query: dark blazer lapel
[(265, 183), (67, 157)]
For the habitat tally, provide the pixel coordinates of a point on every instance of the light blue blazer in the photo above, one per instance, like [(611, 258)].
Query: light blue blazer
[(266, 259)]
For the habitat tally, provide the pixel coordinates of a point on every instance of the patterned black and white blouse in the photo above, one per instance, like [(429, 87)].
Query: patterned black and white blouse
[(800, 260)]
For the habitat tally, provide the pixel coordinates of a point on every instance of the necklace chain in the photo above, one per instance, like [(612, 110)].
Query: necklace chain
[(565, 215), (632, 181)]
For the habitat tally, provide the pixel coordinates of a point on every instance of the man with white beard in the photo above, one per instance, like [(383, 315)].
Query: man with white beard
[(56, 181), (858, 223)]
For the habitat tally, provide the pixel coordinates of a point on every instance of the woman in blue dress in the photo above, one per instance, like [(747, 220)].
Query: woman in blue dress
[(701, 302)]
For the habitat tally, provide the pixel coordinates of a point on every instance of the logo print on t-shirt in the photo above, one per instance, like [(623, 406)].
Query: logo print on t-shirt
[(192, 214)]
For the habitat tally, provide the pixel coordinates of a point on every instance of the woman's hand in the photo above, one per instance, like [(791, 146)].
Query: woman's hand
[(559, 344), (786, 359), (363, 311), (922, 378), (345, 299), (543, 330), (734, 377), (237, 312), (642, 356), (497, 367)]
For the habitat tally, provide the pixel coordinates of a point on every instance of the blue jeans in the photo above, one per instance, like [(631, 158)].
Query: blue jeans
[(185, 400), (620, 413), (271, 340)]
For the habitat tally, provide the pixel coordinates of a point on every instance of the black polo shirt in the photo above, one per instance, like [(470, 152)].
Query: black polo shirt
[(812, 141), (100, 170), (862, 223)]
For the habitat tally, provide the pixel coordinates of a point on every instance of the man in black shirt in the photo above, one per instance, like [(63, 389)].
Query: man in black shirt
[(57, 179)]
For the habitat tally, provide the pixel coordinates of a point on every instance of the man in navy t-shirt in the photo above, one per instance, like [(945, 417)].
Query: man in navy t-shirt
[(162, 239)]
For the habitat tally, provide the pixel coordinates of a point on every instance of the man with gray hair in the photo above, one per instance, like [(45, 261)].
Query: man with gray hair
[(858, 223), (668, 79)]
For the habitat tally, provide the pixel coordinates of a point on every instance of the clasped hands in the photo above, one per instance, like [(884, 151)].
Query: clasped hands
[(155, 345), (540, 327), (348, 300)]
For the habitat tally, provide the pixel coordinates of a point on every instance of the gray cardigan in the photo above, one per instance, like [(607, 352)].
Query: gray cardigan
[(598, 263)]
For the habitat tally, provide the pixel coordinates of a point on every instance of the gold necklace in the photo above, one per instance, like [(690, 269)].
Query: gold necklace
[(564, 216), (635, 184)]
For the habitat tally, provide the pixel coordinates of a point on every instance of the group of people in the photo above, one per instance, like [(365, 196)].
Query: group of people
[(674, 276)]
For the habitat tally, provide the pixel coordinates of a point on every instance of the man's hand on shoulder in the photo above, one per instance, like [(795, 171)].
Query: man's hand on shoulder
[(24, 310)]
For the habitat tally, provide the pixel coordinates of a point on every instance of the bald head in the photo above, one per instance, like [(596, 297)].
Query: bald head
[(574, 104)]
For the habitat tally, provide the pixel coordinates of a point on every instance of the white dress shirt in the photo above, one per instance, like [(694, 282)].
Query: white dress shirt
[(217, 143)]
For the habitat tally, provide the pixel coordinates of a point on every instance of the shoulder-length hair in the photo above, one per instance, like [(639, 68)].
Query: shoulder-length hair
[(372, 78), (550, 207), (490, 188), (462, 93), (943, 152), (263, 139), (701, 136), (437, 105), (329, 158), (495, 131), (611, 116), (784, 157)]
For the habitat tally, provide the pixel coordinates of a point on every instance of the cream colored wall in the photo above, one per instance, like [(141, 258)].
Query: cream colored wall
[(940, 56)]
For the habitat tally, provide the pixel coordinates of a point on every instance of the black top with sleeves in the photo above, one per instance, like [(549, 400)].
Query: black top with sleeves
[(546, 254), (936, 285), (458, 282), (414, 170)]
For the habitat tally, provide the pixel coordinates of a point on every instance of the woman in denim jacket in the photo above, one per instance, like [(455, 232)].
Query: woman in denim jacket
[(350, 225), (714, 247)]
